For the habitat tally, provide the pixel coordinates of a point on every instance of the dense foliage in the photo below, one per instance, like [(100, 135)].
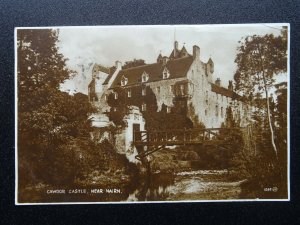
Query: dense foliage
[(48, 120), (259, 60)]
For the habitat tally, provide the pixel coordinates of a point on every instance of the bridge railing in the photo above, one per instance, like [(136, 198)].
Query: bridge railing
[(178, 136)]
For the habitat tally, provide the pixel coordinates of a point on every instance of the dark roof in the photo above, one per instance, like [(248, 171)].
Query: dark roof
[(224, 91), (177, 68)]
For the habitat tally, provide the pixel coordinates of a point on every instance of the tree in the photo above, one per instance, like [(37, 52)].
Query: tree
[(48, 119), (258, 60)]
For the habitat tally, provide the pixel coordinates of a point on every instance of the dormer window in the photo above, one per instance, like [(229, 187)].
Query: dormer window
[(166, 73), (124, 81), (116, 95), (145, 77)]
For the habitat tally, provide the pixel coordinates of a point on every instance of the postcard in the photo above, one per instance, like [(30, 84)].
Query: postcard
[(152, 114)]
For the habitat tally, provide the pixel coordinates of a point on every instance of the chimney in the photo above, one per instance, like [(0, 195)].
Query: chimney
[(118, 65), (218, 82), (196, 52), (230, 85), (176, 45)]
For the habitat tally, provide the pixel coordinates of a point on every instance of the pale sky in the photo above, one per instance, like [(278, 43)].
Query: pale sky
[(106, 44)]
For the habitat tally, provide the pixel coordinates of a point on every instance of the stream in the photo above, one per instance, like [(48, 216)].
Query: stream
[(187, 186)]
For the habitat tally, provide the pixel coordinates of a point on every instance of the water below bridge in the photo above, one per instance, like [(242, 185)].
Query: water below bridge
[(190, 185)]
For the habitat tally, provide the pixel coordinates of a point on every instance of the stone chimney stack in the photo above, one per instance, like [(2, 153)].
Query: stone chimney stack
[(118, 65), (218, 82), (175, 48), (230, 85), (176, 45), (196, 52)]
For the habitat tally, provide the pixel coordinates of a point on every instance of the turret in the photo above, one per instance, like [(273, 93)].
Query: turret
[(159, 58), (210, 65)]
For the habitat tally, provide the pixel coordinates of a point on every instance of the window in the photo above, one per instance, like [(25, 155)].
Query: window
[(206, 102), (144, 91), (181, 89), (168, 109), (105, 97), (222, 113), (116, 95), (124, 81), (172, 88), (158, 89), (166, 73), (217, 110), (205, 112), (129, 93), (136, 116), (143, 107), (145, 77)]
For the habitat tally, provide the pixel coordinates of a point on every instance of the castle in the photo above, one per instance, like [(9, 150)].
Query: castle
[(180, 78)]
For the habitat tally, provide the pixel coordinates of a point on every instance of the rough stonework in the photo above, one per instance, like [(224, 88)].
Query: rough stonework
[(180, 80)]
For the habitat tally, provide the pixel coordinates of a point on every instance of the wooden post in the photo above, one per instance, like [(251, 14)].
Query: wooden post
[(184, 136)]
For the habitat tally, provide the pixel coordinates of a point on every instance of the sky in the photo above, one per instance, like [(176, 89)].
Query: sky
[(84, 46)]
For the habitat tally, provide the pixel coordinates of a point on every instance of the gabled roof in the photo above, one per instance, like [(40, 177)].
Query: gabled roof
[(172, 54), (183, 52), (210, 61), (111, 72), (177, 68), (159, 57), (101, 68)]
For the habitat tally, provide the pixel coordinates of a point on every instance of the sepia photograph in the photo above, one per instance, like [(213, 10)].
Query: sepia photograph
[(152, 114)]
